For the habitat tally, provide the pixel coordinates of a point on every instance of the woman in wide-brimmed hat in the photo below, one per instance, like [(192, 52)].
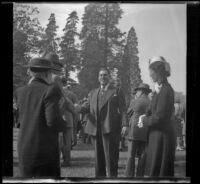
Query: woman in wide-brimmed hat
[(137, 137), (160, 151)]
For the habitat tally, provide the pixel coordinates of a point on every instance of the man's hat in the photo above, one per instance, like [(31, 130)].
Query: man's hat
[(40, 63), (52, 57), (144, 87)]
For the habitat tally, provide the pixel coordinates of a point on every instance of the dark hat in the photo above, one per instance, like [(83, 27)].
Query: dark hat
[(53, 57), (40, 63), (144, 87)]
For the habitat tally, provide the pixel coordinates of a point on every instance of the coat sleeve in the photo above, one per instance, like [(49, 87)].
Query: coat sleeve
[(163, 109), (122, 107), (69, 106), (52, 110)]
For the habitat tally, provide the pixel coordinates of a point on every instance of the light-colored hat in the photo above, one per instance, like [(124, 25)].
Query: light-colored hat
[(162, 59)]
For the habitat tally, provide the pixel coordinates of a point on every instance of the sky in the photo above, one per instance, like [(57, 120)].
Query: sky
[(160, 28)]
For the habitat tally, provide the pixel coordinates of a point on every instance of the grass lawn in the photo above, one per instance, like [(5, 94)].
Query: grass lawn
[(82, 163)]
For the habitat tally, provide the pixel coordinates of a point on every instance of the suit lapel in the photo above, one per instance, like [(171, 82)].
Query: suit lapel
[(95, 99), (107, 95)]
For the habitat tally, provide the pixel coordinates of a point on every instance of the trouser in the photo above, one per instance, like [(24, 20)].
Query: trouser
[(106, 153), (135, 148), (46, 170), (66, 144), (74, 136), (122, 142)]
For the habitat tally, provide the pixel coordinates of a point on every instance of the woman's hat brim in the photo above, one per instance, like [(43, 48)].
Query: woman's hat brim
[(144, 89)]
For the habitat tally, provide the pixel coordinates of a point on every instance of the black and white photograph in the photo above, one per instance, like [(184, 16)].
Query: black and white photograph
[(99, 91)]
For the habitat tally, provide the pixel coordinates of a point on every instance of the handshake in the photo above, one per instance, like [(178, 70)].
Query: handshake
[(140, 122)]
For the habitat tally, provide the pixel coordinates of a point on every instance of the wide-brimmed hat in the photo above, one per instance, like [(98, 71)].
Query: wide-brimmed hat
[(144, 87), (53, 57), (161, 59), (40, 63)]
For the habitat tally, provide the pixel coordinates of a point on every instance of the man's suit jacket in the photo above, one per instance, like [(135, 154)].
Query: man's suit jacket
[(111, 115), (40, 121)]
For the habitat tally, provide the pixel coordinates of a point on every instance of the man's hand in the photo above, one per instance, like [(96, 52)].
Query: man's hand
[(124, 131)]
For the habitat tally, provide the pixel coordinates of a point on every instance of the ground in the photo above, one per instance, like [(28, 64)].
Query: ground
[(82, 162)]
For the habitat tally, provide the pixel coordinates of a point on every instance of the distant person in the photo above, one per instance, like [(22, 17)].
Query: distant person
[(160, 152), (178, 125), (73, 98), (68, 112), (137, 137), (40, 121), (183, 115), (15, 114), (117, 83)]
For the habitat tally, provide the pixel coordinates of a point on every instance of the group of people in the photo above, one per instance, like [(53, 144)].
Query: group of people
[(46, 109)]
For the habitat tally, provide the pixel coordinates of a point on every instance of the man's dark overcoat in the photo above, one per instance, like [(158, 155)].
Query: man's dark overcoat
[(40, 121)]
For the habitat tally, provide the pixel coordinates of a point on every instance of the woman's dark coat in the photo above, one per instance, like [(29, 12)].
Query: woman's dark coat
[(160, 151), (40, 121), (136, 109)]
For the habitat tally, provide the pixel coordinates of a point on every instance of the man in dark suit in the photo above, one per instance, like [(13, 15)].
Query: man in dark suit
[(40, 121), (107, 115)]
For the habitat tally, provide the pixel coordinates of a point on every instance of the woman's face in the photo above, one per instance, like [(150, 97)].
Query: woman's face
[(153, 75), (138, 93)]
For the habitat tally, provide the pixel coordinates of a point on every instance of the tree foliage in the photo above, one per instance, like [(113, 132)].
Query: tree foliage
[(131, 53), (49, 42), (101, 40), (68, 47), (129, 69), (27, 33)]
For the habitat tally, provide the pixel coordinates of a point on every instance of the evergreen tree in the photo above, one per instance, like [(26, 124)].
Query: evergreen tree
[(69, 49), (131, 64), (101, 41), (27, 33), (49, 41)]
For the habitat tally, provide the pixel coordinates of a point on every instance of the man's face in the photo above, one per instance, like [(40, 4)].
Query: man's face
[(103, 77)]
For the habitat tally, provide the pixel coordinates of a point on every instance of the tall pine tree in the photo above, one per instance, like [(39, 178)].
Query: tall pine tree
[(130, 71), (69, 49), (49, 42)]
